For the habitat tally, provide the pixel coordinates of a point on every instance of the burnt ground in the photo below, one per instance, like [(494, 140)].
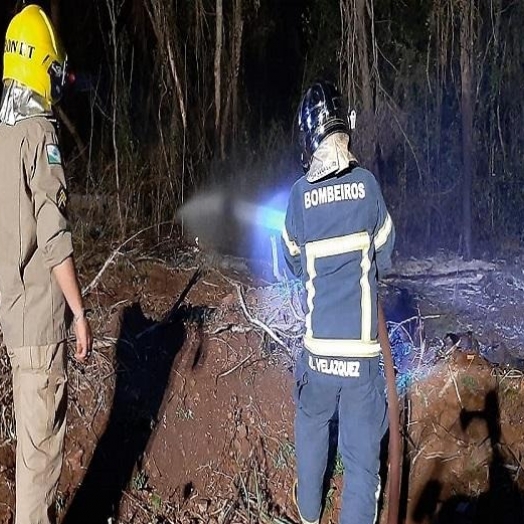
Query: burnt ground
[(185, 412)]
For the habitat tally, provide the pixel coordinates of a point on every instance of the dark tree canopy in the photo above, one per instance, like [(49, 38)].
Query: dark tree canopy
[(171, 95)]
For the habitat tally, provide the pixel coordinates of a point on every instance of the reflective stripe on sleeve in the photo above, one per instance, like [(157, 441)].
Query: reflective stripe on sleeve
[(383, 232)]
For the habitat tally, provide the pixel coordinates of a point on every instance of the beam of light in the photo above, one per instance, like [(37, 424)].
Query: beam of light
[(260, 216), (273, 210), (268, 222), (229, 223), (271, 219)]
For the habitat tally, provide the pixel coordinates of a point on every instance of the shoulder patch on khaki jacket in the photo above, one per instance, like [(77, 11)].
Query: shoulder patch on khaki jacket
[(54, 156)]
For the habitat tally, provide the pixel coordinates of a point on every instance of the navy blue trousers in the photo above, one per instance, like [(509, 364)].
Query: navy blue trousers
[(359, 404)]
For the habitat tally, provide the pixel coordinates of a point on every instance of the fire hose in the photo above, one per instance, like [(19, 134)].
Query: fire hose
[(394, 452)]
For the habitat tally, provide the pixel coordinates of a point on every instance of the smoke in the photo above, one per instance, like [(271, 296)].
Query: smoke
[(229, 223), (207, 218)]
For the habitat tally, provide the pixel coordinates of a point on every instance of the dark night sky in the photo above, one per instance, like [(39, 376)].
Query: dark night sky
[(273, 55), (287, 43)]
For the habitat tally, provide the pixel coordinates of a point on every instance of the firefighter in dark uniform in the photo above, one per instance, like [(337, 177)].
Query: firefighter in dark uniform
[(338, 238), (39, 290)]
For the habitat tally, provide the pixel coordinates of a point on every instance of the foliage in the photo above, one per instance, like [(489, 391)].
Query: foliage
[(284, 456), (139, 481), (146, 102)]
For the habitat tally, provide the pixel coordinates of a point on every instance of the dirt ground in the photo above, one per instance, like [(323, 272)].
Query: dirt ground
[(464, 448), (185, 413), (181, 415)]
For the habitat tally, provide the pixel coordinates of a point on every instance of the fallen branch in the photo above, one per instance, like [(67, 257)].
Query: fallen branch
[(456, 386), (398, 325), (257, 322), (233, 328), (234, 368), (108, 262)]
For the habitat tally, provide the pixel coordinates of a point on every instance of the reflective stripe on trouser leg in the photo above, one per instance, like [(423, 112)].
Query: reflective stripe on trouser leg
[(39, 391), (362, 423), (316, 400)]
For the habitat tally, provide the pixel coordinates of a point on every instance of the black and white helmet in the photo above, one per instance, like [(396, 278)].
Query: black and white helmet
[(323, 111)]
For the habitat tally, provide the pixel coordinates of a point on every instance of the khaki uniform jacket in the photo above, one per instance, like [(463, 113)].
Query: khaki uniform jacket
[(34, 234)]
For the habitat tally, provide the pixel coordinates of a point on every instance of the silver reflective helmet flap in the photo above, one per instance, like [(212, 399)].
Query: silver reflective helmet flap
[(330, 158), (19, 102)]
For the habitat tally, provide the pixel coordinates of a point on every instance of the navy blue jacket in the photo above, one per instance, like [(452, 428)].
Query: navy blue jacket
[(338, 237)]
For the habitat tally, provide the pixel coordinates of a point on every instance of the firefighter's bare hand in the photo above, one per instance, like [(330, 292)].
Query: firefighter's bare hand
[(84, 339)]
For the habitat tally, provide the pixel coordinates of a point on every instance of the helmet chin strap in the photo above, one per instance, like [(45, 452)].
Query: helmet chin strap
[(305, 161), (332, 157)]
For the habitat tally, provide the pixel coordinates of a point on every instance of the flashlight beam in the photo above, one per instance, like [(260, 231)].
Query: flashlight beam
[(264, 216)]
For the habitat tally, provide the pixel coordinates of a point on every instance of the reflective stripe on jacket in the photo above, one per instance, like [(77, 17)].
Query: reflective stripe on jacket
[(338, 238)]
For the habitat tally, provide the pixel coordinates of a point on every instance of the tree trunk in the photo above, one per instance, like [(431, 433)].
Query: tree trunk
[(218, 76), (238, 29), (55, 14), (356, 74), (177, 83), (467, 109), (113, 15), (367, 120), (363, 58)]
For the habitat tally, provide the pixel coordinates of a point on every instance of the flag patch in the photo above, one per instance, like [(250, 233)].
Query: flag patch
[(53, 154)]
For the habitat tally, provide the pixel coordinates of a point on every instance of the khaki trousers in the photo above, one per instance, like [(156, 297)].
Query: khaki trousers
[(40, 398)]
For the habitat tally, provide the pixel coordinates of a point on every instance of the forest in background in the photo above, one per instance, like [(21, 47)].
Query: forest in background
[(175, 95)]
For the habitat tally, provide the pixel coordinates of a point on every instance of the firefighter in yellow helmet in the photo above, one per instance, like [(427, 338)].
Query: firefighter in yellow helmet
[(39, 290)]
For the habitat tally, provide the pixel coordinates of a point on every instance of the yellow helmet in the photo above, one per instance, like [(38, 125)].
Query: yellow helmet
[(33, 55)]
